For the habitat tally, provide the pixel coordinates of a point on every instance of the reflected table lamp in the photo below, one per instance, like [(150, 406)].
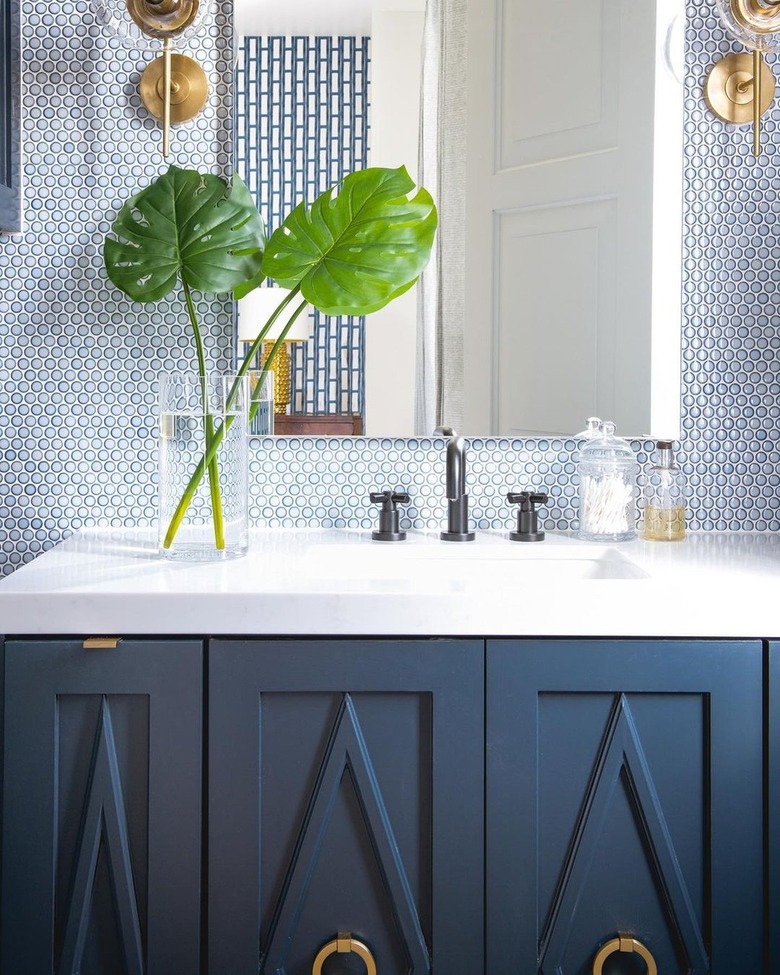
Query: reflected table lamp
[(254, 310)]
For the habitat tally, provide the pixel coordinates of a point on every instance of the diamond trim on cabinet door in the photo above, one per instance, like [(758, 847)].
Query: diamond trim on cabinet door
[(346, 751), (621, 751), (103, 820)]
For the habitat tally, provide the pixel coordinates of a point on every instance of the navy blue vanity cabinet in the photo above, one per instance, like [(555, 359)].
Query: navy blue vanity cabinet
[(773, 802), (624, 798), (102, 800), (345, 796)]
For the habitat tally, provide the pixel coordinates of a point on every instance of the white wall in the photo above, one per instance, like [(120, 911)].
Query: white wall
[(309, 17), (391, 343)]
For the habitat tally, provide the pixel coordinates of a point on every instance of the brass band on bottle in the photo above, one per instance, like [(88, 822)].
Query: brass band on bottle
[(343, 944), (627, 945), (163, 18)]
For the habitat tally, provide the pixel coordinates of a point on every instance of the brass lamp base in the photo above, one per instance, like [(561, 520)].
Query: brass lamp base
[(728, 89), (281, 367), (189, 88)]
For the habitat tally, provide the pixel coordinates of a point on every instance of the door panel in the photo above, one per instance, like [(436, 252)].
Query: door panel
[(576, 331), (345, 795), (624, 796), (571, 108), (101, 829)]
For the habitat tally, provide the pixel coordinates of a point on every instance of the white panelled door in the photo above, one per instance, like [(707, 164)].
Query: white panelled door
[(560, 214)]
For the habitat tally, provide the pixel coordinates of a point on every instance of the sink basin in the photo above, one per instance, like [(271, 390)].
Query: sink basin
[(486, 563)]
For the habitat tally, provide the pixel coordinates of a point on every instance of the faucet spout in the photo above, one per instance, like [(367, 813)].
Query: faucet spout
[(456, 468), (457, 499)]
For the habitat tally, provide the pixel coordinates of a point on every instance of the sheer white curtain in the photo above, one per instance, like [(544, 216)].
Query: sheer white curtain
[(440, 363)]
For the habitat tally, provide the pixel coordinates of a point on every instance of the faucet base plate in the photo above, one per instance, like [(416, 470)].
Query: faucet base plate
[(457, 536), (527, 536)]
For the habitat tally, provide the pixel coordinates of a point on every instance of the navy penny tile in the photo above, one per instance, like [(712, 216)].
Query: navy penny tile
[(79, 362)]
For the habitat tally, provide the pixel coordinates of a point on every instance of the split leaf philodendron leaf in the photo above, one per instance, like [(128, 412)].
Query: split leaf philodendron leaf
[(190, 224), (358, 246)]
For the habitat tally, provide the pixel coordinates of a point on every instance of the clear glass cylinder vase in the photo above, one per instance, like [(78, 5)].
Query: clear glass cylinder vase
[(204, 467)]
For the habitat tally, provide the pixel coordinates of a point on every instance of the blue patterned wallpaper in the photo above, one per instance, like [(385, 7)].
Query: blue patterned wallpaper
[(301, 127), (78, 362), (731, 330)]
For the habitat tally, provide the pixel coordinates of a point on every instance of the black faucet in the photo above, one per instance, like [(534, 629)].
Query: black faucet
[(457, 499)]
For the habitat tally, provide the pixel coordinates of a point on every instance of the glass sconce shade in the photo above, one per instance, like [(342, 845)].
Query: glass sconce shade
[(754, 23), (173, 93), (115, 16), (738, 88)]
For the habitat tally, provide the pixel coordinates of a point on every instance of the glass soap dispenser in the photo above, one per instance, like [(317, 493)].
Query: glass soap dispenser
[(665, 497), (607, 469)]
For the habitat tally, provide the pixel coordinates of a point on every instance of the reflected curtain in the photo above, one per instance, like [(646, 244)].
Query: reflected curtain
[(442, 169)]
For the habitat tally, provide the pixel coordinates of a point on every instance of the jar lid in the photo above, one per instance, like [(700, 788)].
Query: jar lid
[(592, 428), (607, 448)]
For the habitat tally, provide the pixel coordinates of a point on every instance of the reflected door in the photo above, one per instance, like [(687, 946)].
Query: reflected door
[(562, 180)]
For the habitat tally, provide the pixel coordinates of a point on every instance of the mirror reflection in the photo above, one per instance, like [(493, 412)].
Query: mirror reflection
[(572, 301)]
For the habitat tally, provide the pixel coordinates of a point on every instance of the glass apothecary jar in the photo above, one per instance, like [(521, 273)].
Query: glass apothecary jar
[(608, 470)]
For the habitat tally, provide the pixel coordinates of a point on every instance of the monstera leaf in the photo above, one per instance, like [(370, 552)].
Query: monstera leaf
[(190, 224), (358, 246)]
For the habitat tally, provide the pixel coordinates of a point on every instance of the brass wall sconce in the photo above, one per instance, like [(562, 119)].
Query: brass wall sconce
[(174, 88), (741, 87), (254, 310)]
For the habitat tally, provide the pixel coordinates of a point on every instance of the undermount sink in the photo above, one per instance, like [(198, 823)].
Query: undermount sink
[(490, 561)]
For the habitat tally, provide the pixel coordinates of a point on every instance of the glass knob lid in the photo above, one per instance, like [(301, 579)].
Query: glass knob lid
[(141, 24), (755, 23)]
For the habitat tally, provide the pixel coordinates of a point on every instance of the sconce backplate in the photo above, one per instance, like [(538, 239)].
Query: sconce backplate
[(189, 88), (728, 89)]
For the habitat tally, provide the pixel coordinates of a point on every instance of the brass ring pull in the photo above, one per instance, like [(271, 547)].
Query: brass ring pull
[(622, 943), (343, 944)]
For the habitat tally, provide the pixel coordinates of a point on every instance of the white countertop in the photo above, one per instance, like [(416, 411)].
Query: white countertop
[(333, 582)]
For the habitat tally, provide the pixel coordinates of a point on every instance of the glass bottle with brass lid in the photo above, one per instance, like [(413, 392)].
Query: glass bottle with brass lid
[(664, 497)]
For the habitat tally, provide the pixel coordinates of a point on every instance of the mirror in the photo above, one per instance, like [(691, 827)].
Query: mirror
[(572, 224), (10, 114)]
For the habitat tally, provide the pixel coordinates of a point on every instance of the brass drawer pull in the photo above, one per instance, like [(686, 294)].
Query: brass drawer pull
[(623, 943), (101, 643), (344, 943)]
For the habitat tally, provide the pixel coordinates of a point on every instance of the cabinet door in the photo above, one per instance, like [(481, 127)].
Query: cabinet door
[(101, 828), (624, 796), (345, 795), (773, 804)]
